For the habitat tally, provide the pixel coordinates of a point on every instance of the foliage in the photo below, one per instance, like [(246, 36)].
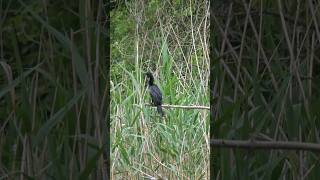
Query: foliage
[(160, 37), (53, 77), (266, 79)]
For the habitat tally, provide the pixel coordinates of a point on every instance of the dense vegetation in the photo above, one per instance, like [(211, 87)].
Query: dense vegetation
[(54, 80), (52, 89), (168, 38), (266, 86)]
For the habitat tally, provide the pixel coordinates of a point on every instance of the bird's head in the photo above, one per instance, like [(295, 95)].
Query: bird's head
[(150, 78)]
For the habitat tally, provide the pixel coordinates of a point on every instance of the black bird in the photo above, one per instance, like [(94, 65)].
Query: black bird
[(155, 93)]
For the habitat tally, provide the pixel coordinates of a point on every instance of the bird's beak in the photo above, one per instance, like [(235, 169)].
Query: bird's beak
[(145, 82)]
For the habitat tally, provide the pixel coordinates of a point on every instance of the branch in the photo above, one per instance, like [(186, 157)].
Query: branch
[(252, 144), (181, 107)]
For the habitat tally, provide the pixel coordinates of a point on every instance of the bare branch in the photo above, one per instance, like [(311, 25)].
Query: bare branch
[(267, 145), (182, 107)]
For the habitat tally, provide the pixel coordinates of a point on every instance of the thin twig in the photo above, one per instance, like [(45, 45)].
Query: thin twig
[(252, 144), (181, 107)]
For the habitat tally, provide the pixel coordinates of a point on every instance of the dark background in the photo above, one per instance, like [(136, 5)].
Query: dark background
[(54, 89)]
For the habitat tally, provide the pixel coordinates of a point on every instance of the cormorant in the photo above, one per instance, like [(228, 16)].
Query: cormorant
[(155, 93)]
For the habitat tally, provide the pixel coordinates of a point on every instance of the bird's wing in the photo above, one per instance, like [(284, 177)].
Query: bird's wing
[(155, 94)]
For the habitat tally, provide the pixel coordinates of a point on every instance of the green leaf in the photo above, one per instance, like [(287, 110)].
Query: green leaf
[(91, 165), (57, 117), (17, 81), (66, 43)]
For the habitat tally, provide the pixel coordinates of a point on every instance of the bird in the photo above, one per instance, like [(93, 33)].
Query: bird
[(155, 93)]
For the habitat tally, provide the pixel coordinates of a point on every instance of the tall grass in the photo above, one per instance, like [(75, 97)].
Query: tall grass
[(266, 82), (52, 92), (142, 143)]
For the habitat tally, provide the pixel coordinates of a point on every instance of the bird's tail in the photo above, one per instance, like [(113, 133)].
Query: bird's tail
[(160, 111)]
